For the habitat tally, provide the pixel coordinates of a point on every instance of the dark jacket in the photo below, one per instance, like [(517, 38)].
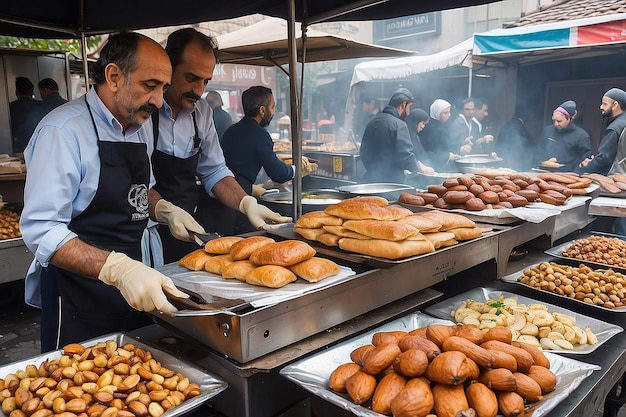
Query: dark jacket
[(515, 146), (53, 100), (434, 139), (569, 146), (603, 159), (222, 121), (386, 148), (25, 114)]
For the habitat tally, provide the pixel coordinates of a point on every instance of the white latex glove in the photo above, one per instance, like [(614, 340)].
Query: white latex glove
[(485, 139), (141, 286), (425, 169), (178, 220), (258, 190), (466, 149), (258, 214)]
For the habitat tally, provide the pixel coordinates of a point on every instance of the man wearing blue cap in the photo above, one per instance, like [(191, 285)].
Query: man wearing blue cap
[(612, 107), (386, 148)]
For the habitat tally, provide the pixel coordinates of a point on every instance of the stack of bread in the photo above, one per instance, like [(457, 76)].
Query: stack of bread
[(260, 260), (477, 192), (613, 184), (370, 226)]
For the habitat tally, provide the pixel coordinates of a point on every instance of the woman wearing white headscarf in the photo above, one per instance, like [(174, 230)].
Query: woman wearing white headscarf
[(434, 137)]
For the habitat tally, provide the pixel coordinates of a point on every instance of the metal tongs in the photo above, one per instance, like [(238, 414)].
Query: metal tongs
[(202, 238), (197, 304)]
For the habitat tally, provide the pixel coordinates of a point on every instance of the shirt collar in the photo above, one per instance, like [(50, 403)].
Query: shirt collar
[(105, 114), (167, 110)]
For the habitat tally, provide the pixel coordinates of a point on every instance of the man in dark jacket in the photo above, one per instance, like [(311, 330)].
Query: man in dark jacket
[(563, 140), (49, 92), (221, 118), (386, 148), (25, 113), (612, 107)]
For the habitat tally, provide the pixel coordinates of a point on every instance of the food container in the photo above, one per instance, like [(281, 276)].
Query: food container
[(469, 164), (312, 200), (210, 386), (312, 372), (389, 191)]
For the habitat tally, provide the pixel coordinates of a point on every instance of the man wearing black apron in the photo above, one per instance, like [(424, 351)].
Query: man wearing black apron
[(188, 144), (87, 201)]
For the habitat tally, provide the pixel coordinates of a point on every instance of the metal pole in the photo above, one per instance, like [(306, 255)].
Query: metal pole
[(469, 84), (296, 142), (83, 44)]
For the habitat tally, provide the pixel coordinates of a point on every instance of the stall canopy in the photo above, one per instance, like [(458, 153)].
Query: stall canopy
[(71, 18), (405, 69), (266, 43), (580, 38)]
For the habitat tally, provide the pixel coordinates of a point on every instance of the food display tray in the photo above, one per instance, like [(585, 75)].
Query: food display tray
[(312, 373), (604, 331), (557, 252), (210, 386), (490, 216), (512, 278)]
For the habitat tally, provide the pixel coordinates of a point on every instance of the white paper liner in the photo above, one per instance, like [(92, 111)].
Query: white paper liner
[(206, 283), (312, 373), (603, 330)]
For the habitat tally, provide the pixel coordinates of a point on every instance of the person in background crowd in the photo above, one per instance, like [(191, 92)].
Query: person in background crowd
[(221, 118), (92, 156), (514, 143), (572, 108), (460, 133), (612, 108), (248, 147), (369, 109), (416, 121), (50, 97), (187, 144), (25, 114), (563, 140), (479, 132), (434, 136), (386, 148)]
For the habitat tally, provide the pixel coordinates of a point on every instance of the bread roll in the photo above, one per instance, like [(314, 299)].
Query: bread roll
[(216, 264), (315, 269), (195, 260), (343, 232), (441, 239), (380, 229), (310, 234), (447, 220), (285, 253), (386, 248), (421, 223), (272, 276), (221, 245), (372, 199), (317, 219), (358, 211), (398, 212), (466, 233), (238, 269), (329, 239), (242, 249)]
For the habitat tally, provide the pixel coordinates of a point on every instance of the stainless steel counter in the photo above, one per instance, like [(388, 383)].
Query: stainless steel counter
[(15, 258)]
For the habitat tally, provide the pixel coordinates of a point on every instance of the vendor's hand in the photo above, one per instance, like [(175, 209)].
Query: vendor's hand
[(425, 169), (308, 166), (258, 214), (469, 140), (180, 222), (586, 161), (466, 149), (258, 190), (451, 157), (485, 139), (141, 286)]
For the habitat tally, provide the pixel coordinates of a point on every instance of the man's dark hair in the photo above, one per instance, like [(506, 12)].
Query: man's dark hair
[(48, 83), (253, 98), (178, 41), (464, 101), (23, 86), (479, 103), (121, 50)]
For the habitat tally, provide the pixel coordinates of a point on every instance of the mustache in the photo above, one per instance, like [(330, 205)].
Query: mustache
[(149, 108), (192, 95)]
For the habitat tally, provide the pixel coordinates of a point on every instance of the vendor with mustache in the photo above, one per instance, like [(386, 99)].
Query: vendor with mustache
[(187, 144)]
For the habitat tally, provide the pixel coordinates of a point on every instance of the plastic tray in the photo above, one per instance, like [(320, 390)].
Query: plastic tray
[(210, 386), (312, 373), (604, 331)]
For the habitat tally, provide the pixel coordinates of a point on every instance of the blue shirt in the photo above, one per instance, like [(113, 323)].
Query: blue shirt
[(176, 139), (63, 174)]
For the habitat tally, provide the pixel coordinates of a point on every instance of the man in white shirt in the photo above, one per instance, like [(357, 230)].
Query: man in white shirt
[(87, 201)]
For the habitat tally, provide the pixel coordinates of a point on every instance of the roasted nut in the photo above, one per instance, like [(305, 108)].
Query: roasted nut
[(137, 408), (155, 409), (73, 349)]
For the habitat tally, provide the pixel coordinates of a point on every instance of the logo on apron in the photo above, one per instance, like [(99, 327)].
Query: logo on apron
[(138, 198)]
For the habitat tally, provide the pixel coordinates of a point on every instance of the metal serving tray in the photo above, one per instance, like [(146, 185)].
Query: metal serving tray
[(210, 386), (312, 373), (604, 331), (557, 252), (512, 278)]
